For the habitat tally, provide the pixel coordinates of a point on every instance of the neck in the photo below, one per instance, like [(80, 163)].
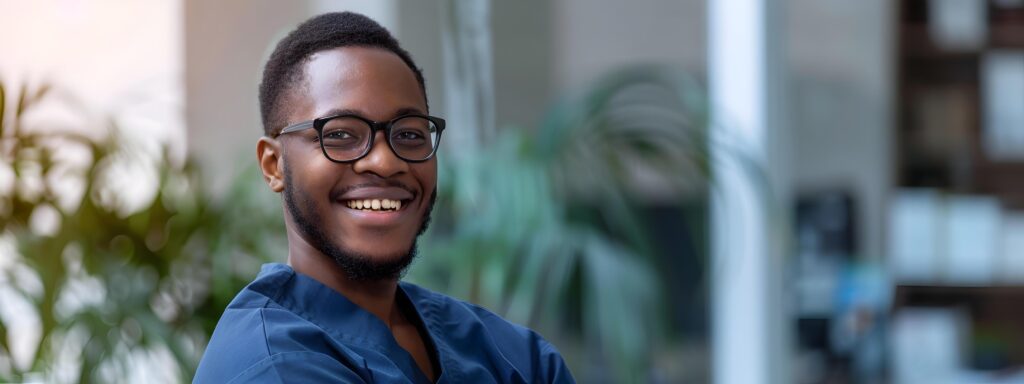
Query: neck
[(376, 297)]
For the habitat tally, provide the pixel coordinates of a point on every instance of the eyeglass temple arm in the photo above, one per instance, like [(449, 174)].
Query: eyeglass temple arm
[(297, 127)]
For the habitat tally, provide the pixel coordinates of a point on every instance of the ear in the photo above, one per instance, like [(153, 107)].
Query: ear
[(271, 161)]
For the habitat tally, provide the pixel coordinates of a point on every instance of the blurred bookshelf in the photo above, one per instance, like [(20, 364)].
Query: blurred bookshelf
[(995, 340), (943, 125), (956, 237)]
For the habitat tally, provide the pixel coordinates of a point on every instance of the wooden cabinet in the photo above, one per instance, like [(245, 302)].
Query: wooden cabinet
[(941, 100)]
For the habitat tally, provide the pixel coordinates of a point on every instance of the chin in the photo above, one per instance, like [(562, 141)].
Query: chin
[(379, 257), (371, 263), (377, 248)]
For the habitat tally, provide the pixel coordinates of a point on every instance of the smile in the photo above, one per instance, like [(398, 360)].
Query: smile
[(375, 204)]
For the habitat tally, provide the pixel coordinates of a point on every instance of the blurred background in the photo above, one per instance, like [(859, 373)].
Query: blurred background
[(671, 191)]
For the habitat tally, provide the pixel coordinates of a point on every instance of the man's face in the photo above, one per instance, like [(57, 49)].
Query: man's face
[(319, 194)]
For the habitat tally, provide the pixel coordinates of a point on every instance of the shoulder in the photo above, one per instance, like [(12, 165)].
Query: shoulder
[(256, 334), (239, 339), (473, 331)]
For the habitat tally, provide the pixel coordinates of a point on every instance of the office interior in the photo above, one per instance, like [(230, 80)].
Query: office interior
[(879, 221)]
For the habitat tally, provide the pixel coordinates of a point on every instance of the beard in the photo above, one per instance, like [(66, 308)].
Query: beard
[(356, 266)]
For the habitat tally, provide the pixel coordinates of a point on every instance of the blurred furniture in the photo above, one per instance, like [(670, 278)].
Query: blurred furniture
[(960, 130), (995, 337), (944, 85)]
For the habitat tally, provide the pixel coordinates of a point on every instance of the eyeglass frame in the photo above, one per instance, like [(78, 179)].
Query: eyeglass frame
[(375, 126)]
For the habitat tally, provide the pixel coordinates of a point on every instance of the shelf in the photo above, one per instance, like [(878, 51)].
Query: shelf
[(939, 131), (995, 314), (916, 294), (1007, 36), (916, 42)]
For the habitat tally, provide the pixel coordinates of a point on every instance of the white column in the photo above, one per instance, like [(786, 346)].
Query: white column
[(468, 74), (746, 311)]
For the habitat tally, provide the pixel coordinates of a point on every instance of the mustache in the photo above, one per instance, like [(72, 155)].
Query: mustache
[(380, 184)]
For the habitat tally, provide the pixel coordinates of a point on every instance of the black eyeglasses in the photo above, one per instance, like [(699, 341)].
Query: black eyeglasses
[(347, 138)]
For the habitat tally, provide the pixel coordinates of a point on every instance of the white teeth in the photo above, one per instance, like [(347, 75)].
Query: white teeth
[(375, 204)]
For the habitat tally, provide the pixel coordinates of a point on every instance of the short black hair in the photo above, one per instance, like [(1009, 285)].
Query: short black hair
[(328, 31)]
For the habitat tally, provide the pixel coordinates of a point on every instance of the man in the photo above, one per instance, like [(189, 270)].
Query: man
[(350, 145)]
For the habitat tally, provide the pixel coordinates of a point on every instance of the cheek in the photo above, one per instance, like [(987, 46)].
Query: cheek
[(426, 176), (311, 175)]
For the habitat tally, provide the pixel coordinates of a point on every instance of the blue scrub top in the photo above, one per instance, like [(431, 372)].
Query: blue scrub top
[(286, 327)]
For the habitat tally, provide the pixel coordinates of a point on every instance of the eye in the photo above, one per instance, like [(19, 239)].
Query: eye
[(408, 135), (337, 135), (345, 130), (344, 138)]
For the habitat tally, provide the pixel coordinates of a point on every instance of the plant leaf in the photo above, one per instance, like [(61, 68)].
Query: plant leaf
[(3, 109)]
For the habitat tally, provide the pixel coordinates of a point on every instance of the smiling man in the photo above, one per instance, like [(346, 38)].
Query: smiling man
[(351, 147)]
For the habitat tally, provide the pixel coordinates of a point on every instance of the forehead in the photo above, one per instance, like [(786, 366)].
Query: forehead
[(373, 81)]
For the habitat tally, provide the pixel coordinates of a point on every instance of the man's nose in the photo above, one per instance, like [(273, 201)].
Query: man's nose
[(381, 160)]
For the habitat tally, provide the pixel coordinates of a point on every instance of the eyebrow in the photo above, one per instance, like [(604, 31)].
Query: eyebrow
[(398, 112)]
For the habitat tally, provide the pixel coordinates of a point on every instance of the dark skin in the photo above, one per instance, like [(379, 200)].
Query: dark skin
[(376, 84)]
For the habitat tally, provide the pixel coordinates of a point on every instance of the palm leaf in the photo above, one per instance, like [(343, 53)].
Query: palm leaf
[(165, 270), (544, 228)]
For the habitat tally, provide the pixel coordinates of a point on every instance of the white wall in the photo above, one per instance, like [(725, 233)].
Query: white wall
[(841, 104), (594, 36), (118, 57), (120, 60), (226, 43)]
